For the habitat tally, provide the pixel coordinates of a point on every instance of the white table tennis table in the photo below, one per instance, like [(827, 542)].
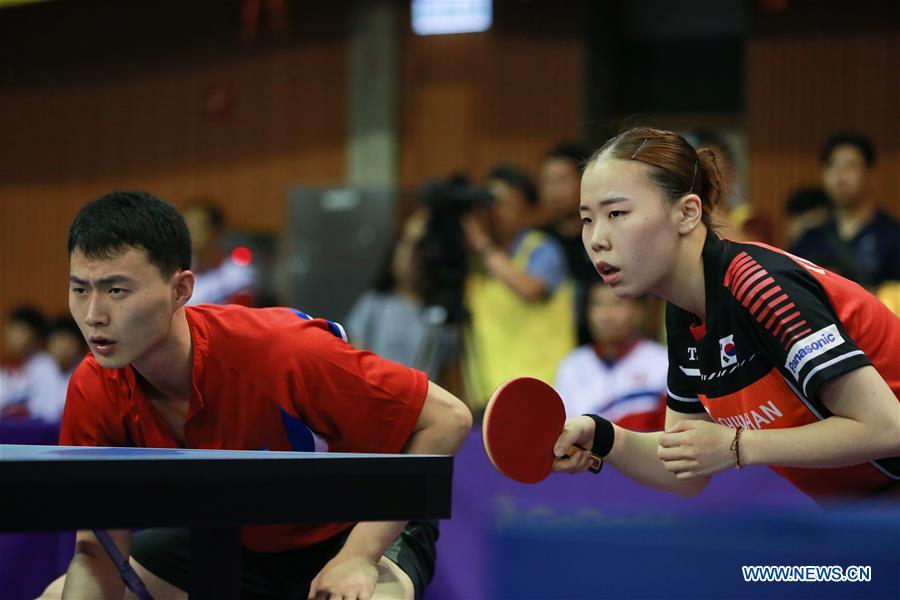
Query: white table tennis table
[(213, 492)]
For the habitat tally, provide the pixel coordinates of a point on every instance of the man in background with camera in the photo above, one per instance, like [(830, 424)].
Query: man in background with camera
[(519, 294)]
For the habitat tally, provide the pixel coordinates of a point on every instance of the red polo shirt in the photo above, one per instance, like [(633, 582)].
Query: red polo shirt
[(269, 379)]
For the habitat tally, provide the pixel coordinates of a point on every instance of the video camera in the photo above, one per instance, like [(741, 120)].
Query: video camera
[(444, 250)]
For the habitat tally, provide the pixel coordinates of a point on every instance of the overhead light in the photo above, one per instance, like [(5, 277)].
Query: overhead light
[(438, 17)]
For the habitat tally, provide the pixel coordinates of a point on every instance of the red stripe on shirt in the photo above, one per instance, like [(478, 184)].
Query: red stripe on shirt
[(746, 285), (785, 320), (772, 304), (756, 305), (739, 261), (741, 274), (800, 323), (798, 335), (777, 313)]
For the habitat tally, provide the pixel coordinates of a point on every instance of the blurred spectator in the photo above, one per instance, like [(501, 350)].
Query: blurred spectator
[(221, 278), (739, 220), (66, 345), (860, 241), (560, 193), (521, 300), (620, 376), (32, 383), (806, 208), (393, 320)]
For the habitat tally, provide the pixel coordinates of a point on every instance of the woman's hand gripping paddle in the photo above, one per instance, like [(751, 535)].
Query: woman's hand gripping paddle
[(523, 419)]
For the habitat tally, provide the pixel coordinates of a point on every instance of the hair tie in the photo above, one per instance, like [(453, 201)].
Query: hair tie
[(694, 176)]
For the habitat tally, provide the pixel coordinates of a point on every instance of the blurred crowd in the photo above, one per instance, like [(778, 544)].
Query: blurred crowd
[(489, 280), (494, 282)]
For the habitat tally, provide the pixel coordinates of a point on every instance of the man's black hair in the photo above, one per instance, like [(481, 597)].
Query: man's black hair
[(805, 199), (119, 220), (31, 318), (517, 178), (576, 154), (64, 323), (848, 138)]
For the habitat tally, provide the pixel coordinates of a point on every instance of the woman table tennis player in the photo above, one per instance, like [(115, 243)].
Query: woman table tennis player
[(772, 359)]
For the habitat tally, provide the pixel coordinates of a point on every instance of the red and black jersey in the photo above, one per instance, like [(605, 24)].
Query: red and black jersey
[(777, 328)]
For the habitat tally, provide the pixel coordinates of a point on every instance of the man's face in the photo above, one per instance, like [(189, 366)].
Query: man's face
[(122, 305), (845, 176), (65, 347), (510, 212), (560, 188), (20, 339)]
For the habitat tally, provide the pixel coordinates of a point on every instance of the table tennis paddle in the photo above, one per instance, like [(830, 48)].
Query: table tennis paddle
[(522, 421)]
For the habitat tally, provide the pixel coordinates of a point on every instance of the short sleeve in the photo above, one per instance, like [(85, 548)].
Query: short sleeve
[(789, 312), (358, 401), (548, 263)]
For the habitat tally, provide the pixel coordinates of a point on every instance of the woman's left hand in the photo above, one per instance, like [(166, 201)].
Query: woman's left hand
[(694, 448)]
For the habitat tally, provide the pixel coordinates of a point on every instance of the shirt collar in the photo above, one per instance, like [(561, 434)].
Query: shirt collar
[(713, 256)]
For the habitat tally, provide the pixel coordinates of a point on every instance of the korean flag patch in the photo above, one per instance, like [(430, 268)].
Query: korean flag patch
[(727, 352)]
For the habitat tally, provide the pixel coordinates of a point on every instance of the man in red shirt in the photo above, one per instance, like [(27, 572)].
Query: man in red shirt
[(162, 374)]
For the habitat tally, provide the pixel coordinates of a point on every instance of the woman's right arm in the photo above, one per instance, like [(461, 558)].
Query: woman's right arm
[(634, 454)]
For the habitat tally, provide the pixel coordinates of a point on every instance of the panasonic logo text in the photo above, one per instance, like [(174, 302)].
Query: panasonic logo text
[(813, 345)]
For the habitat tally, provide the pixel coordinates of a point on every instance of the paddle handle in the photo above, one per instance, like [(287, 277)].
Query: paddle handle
[(596, 461)]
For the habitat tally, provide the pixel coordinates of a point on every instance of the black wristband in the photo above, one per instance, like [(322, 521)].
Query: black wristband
[(604, 436)]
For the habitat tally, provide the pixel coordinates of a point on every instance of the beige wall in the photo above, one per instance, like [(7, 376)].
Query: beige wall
[(470, 102), (800, 88), (465, 103), (68, 143)]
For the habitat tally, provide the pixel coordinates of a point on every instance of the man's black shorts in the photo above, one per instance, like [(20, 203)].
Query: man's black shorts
[(166, 554)]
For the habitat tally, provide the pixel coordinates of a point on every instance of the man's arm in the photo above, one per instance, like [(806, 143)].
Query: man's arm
[(501, 266), (498, 263), (441, 428), (91, 573)]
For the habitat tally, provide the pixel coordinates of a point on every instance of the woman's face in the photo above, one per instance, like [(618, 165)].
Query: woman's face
[(630, 230)]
